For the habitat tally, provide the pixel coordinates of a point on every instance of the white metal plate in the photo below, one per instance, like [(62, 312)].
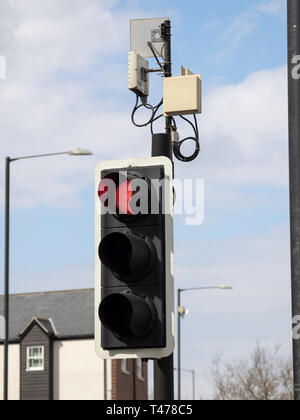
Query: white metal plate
[(143, 31)]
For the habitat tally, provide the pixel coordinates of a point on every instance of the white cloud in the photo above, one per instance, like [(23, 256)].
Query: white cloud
[(244, 133), (258, 267), (241, 27), (69, 35), (276, 7), (75, 276), (53, 100)]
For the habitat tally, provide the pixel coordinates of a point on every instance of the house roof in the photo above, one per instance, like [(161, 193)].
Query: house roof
[(46, 325), (70, 314)]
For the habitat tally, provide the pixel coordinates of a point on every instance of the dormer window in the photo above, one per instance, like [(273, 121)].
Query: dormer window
[(35, 358)]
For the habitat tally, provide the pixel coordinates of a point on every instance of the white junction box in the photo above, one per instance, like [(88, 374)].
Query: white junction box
[(183, 95), (138, 79)]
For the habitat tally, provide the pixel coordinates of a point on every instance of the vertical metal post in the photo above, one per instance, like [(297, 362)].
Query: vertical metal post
[(6, 279), (134, 379), (163, 368), (163, 379), (294, 164), (161, 146), (178, 345), (105, 378), (194, 388), (168, 65)]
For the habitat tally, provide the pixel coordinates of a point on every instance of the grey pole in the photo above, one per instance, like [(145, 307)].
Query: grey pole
[(6, 279), (178, 345), (194, 390), (294, 168), (163, 368), (168, 66), (161, 146), (105, 378)]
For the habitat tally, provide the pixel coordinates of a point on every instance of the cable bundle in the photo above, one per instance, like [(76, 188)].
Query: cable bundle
[(176, 146)]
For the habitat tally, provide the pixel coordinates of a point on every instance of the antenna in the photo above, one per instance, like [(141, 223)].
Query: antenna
[(143, 31), (182, 95)]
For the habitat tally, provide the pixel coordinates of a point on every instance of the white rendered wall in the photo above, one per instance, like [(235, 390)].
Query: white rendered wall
[(78, 372), (13, 372)]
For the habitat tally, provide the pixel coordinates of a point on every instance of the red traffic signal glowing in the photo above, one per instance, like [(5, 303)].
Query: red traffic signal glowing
[(115, 193), (134, 290)]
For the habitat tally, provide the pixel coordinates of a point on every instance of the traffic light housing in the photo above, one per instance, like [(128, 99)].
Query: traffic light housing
[(134, 290)]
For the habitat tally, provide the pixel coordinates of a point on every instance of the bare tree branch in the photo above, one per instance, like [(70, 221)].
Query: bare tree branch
[(265, 376)]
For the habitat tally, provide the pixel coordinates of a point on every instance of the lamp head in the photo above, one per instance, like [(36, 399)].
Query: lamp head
[(80, 152)]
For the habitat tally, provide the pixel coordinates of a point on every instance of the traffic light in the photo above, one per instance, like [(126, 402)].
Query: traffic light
[(134, 291)]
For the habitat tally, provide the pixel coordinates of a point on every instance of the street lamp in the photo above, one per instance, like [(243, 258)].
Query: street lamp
[(180, 313), (8, 160), (192, 371)]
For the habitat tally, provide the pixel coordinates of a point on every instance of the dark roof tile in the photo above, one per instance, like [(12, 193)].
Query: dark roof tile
[(72, 312)]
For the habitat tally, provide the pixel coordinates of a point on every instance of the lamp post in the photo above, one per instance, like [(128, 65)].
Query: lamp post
[(8, 160), (192, 371), (180, 313)]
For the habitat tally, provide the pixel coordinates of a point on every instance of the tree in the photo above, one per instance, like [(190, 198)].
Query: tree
[(265, 376)]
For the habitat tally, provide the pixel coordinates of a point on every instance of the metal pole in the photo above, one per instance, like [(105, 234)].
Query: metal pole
[(179, 345), (168, 65), (294, 167), (161, 146), (6, 279), (163, 379), (194, 391), (105, 378), (163, 368), (134, 379)]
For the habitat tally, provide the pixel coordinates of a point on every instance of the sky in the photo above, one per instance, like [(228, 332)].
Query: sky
[(66, 86)]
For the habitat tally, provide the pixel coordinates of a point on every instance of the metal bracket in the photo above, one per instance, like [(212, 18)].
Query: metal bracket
[(156, 36)]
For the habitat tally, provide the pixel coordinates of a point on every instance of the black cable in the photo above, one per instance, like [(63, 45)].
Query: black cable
[(156, 118), (153, 109), (177, 146), (161, 52), (155, 56)]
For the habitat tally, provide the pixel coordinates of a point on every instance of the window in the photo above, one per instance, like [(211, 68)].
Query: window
[(139, 368), (35, 358), (124, 366)]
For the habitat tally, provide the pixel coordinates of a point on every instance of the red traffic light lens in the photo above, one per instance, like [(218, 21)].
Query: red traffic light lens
[(123, 196), (118, 199)]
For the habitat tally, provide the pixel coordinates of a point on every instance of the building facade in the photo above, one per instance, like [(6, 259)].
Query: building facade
[(52, 356)]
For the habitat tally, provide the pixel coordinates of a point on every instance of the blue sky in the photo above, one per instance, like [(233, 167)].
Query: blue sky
[(66, 87)]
